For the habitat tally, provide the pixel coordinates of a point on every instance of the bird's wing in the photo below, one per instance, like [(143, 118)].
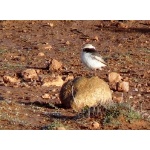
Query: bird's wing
[(99, 58)]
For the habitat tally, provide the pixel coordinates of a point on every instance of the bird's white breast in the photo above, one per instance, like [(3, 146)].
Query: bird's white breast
[(91, 62)]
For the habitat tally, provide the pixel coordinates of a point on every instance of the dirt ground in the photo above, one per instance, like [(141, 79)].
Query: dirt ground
[(31, 44)]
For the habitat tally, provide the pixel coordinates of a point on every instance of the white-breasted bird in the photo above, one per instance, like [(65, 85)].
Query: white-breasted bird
[(91, 58)]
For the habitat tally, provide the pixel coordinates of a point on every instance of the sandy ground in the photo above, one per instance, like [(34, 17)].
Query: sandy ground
[(31, 44)]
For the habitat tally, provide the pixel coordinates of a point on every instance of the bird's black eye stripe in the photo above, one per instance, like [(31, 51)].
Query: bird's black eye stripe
[(89, 50)]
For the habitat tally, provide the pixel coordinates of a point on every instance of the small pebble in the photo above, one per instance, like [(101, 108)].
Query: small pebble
[(41, 54), (96, 38), (114, 77), (130, 97), (67, 43), (136, 90), (123, 86), (46, 96), (51, 24), (95, 125), (60, 128), (53, 90), (53, 97)]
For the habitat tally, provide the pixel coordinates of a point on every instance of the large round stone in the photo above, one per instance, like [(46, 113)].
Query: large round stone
[(83, 91)]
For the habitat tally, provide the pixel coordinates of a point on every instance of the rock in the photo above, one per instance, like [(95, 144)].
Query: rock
[(126, 79), (139, 95), (29, 74), (60, 128), (87, 40), (70, 77), (96, 38), (38, 71), (23, 84), (95, 125), (131, 97), (8, 92), (118, 97), (67, 43), (82, 91), (18, 58), (46, 96), (22, 58), (9, 79), (1, 81), (121, 25), (47, 47), (136, 90), (113, 86), (57, 81), (123, 86), (114, 77), (50, 24), (41, 54), (55, 65)]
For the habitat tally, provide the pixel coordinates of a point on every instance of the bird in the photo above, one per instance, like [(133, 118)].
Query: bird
[(91, 58)]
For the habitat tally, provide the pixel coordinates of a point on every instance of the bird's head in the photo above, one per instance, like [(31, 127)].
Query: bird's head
[(88, 46)]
